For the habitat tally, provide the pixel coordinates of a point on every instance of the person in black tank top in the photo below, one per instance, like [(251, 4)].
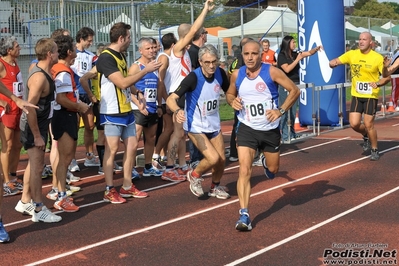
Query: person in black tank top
[(34, 128)]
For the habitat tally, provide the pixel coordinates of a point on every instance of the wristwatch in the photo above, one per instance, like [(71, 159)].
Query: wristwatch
[(282, 111)]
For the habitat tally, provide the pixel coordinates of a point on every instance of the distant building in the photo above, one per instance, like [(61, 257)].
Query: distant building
[(348, 10)]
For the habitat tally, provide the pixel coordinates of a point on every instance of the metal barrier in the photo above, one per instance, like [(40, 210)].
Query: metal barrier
[(289, 118), (316, 106)]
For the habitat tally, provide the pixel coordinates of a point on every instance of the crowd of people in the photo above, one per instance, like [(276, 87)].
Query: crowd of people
[(163, 97)]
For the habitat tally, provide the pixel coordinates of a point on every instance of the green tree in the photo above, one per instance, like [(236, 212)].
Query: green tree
[(360, 3), (373, 9), (394, 6)]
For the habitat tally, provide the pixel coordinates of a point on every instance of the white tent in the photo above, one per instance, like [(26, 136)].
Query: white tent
[(350, 26), (381, 37), (388, 25), (124, 18), (272, 20)]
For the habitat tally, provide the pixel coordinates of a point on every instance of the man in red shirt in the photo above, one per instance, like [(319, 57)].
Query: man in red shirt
[(268, 56)]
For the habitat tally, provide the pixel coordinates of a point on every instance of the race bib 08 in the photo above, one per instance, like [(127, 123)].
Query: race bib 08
[(257, 111), (210, 107)]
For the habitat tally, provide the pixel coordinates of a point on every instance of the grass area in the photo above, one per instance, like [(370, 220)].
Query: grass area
[(226, 112)]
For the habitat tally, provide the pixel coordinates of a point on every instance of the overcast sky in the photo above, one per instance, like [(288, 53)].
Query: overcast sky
[(350, 2)]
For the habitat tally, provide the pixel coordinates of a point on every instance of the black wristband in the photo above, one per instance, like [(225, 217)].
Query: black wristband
[(159, 106), (177, 111)]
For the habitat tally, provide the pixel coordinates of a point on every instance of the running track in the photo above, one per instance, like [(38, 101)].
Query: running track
[(327, 192)]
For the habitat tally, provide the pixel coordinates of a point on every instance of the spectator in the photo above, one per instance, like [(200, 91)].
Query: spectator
[(15, 24), (288, 61), (268, 55), (388, 47), (236, 51)]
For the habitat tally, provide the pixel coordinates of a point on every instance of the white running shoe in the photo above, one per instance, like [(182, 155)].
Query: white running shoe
[(117, 167), (25, 208), (46, 216), (74, 167), (70, 178), (92, 162)]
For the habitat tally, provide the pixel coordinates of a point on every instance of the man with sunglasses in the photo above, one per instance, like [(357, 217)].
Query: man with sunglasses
[(201, 119)]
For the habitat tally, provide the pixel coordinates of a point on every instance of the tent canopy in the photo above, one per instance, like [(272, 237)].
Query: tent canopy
[(124, 18), (388, 25), (269, 21)]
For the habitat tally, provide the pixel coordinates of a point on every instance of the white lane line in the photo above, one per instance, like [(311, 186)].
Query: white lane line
[(174, 183), (146, 229), (310, 229)]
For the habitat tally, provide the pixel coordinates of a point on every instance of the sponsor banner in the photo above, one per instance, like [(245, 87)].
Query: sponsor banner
[(321, 22)]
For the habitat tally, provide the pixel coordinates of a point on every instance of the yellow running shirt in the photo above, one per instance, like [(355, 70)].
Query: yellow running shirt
[(365, 68)]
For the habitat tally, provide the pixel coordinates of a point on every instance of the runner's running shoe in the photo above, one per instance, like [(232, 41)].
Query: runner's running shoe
[(46, 216), (25, 208), (113, 196), (195, 184), (244, 223), (132, 192), (172, 175), (218, 192), (66, 204)]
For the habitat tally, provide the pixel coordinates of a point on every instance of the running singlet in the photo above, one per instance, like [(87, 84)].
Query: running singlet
[(167, 81), (202, 104), (258, 95), (64, 83), (14, 83), (179, 68), (148, 85), (114, 100), (45, 111), (365, 68), (84, 62)]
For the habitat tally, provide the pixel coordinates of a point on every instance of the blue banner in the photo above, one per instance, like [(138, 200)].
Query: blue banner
[(321, 22)]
